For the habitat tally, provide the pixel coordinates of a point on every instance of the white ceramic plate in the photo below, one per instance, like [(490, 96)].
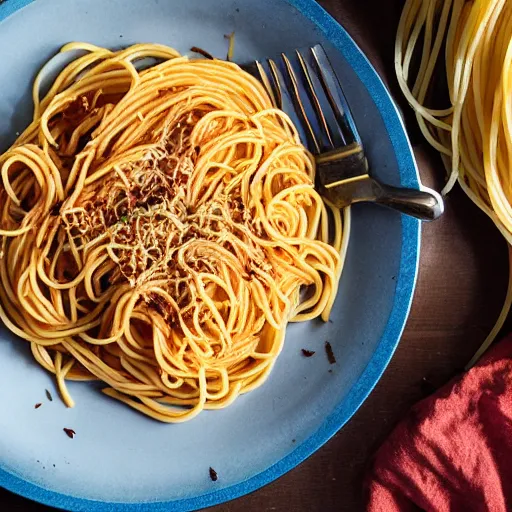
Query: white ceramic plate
[(120, 459)]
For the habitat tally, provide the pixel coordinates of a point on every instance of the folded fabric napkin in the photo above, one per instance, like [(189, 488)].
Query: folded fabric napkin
[(453, 451)]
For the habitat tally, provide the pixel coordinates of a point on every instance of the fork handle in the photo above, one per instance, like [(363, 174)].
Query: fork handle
[(425, 204)]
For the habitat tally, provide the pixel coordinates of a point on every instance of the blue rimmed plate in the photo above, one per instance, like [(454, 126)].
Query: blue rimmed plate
[(120, 459)]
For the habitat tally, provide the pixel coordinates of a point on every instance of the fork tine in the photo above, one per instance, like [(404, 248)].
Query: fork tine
[(266, 83), (275, 76), (306, 87), (310, 89), (298, 101), (282, 98), (335, 96)]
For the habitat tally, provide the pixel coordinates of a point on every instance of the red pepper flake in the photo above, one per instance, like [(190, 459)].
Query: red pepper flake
[(69, 432), (158, 303), (37, 406), (132, 199), (308, 353), (213, 475), (330, 353), (202, 52), (49, 395)]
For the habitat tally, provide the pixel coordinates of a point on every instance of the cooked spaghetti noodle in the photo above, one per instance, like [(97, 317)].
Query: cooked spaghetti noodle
[(474, 134), (159, 228)]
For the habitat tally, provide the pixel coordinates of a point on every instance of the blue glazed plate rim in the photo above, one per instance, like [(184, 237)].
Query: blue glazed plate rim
[(405, 283)]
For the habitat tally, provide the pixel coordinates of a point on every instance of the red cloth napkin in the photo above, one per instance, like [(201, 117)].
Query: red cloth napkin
[(453, 451)]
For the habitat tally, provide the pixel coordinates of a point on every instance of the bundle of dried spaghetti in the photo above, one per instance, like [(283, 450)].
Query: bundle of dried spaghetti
[(158, 228), (474, 134)]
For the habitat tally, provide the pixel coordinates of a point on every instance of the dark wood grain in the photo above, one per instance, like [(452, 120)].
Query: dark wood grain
[(461, 286)]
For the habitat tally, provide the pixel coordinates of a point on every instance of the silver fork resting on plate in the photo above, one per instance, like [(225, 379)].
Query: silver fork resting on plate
[(305, 86)]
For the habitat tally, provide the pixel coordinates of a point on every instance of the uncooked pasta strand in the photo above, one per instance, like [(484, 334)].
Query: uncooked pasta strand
[(474, 135)]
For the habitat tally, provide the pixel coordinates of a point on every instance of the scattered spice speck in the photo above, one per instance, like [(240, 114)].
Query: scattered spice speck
[(293, 440), (69, 432), (37, 405), (204, 53), (49, 395), (308, 353), (213, 475), (330, 371), (330, 321), (56, 209), (330, 353)]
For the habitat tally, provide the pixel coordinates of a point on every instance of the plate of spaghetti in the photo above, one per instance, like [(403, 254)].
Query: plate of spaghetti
[(183, 319)]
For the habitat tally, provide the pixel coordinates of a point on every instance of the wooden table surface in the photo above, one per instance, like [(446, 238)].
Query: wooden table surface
[(461, 287)]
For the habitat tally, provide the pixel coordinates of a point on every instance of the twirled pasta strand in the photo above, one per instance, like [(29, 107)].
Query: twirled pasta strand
[(158, 228)]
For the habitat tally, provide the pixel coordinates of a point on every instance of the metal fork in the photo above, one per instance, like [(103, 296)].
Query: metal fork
[(306, 87)]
